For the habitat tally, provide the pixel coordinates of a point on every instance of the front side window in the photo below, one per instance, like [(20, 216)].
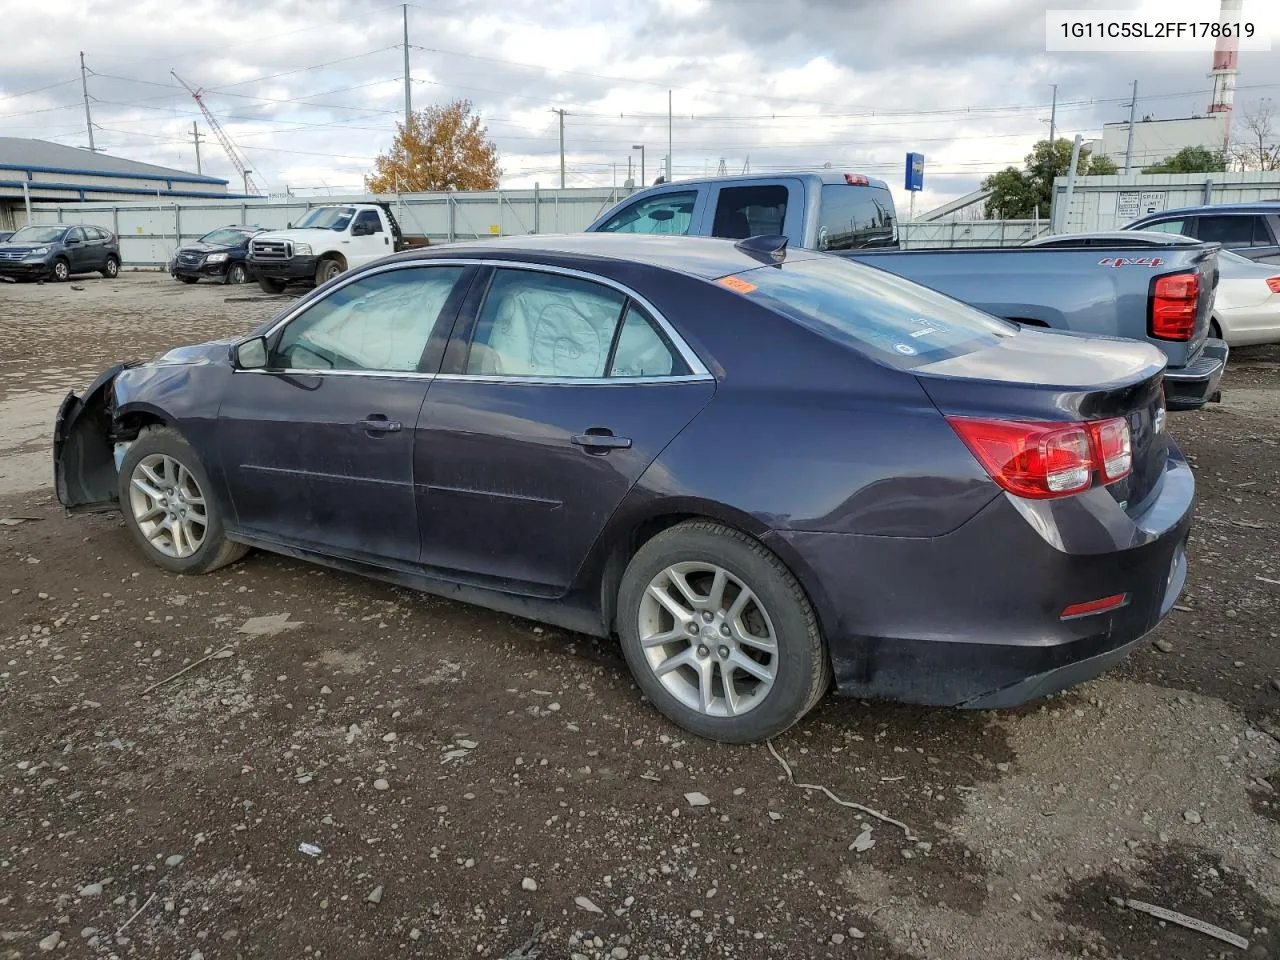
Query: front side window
[(76, 234), (884, 316), (667, 213), (368, 222), (853, 217), (1228, 231), (743, 212), (378, 323)]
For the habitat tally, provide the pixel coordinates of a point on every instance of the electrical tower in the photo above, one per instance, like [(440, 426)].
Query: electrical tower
[(232, 154)]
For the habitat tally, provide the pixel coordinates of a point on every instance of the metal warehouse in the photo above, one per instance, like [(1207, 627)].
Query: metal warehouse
[(37, 172)]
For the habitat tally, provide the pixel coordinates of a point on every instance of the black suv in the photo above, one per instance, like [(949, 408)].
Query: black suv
[(219, 255), (58, 250), (1251, 230)]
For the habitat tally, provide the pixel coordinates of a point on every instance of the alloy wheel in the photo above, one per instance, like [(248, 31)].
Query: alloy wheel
[(61, 271), (708, 639), (168, 506)]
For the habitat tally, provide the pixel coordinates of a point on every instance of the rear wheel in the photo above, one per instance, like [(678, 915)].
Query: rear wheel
[(720, 635), (166, 500), (61, 270), (111, 269), (236, 273), (271, 285), (327, 269)]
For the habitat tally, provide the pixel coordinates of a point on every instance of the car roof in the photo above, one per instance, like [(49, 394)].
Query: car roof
[(822, 176), (1253, 206), (704, 257)]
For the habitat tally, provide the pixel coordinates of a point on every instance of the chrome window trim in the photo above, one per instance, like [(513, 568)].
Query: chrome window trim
[(698, 370), (308, 372), (574, 381)]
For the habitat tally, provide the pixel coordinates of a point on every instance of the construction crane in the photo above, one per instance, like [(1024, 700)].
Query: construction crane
[(232, 154)]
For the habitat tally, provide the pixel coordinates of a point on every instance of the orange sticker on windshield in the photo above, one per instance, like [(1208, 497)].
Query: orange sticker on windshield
[(737, 283)]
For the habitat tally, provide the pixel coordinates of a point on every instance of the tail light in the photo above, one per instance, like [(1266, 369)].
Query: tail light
[(856, 180), (1173, 306), (1040, 461), (1274, 284)]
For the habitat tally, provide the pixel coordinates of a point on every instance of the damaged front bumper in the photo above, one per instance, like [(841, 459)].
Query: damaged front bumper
[(84, 461)]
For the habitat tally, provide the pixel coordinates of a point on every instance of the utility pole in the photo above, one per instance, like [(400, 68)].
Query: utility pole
[(1053, 117), (669, 164), (561, 112), (630, 176), (1071, 185), (1133, 110), (408, 100), (84, 87), (640, 147), (195, 135)]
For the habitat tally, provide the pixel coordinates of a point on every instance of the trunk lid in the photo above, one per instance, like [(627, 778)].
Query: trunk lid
[(1055, 376)]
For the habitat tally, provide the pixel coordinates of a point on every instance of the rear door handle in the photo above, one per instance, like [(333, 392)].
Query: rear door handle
[(598, 438), (380, 424)]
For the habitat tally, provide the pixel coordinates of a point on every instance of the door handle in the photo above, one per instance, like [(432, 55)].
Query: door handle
[(380, 424), (601, 439)]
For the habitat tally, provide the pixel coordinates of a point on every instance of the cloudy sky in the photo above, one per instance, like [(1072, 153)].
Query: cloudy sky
[(311, 90)]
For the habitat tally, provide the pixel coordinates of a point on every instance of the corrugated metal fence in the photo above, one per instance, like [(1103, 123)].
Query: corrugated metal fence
[(970, 233), (1109, 203), (151, 232)]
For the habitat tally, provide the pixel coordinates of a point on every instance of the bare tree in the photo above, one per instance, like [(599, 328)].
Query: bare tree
[(1259, 147)]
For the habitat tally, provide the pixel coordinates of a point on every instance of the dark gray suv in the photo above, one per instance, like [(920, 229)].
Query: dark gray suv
[(1251, 230), (55, 251)]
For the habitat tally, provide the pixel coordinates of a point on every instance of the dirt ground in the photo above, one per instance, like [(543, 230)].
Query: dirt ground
[(474, 785)]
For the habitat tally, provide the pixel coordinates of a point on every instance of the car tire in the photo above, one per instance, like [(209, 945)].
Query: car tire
[(700, 553), (60, 271), (327, 269), (169, 507), (111, 269), (189, 279), (271, 285), (236, 273)]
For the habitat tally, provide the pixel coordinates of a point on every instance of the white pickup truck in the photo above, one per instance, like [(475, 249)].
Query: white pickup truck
[(324, 243)]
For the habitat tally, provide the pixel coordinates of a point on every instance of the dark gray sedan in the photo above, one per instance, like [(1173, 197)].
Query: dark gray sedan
[(758, 468)]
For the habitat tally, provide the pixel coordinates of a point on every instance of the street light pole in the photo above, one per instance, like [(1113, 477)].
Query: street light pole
[(640, 147)]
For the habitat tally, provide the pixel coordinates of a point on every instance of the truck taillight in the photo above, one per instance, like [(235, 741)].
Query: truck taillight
[(1274, 284), (1040, 461), (1173, 306)]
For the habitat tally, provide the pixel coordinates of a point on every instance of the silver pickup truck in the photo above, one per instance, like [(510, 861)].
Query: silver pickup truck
[(1122, 290)]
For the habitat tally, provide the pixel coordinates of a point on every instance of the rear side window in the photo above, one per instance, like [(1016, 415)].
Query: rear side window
[(852, 217), (886, 317), (743, 212), (667, 213), (1228, 231)]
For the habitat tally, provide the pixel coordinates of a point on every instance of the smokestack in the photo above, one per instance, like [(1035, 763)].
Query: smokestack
[(1226, 57)]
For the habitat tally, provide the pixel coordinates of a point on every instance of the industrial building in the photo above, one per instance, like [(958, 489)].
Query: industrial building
[(36, 173)]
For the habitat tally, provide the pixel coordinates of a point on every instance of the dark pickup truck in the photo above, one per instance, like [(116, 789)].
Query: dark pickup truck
[(1124, 290)]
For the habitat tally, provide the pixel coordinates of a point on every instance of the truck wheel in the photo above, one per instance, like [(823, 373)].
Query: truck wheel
[(327, 269), (271, 285), (61, 270)]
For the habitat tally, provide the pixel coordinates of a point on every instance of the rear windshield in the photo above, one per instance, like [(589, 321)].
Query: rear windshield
[(884, 316), (851, 217)]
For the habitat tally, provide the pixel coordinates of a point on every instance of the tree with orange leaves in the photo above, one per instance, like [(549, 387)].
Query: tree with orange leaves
[(440, 148)]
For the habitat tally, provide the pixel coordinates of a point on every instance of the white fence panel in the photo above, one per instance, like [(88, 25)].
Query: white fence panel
[(1110, 203)]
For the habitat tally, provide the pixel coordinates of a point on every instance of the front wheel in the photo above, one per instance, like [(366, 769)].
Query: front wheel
[(271, 285), (326, 270), (111, 269), (719, 634), (166, 499), (236, 273), (61, 270), (189, 279)]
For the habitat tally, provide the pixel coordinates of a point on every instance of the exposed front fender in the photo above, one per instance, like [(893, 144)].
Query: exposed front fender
[(84, 472)]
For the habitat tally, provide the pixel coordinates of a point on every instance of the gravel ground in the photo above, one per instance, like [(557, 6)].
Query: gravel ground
[(359, 771)]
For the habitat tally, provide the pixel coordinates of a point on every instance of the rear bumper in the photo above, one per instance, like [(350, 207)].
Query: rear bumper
[(973, 618), (295, 268), (1192, 386)]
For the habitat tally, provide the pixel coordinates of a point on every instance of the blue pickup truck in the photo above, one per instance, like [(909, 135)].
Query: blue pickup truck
[(1122, 290)]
